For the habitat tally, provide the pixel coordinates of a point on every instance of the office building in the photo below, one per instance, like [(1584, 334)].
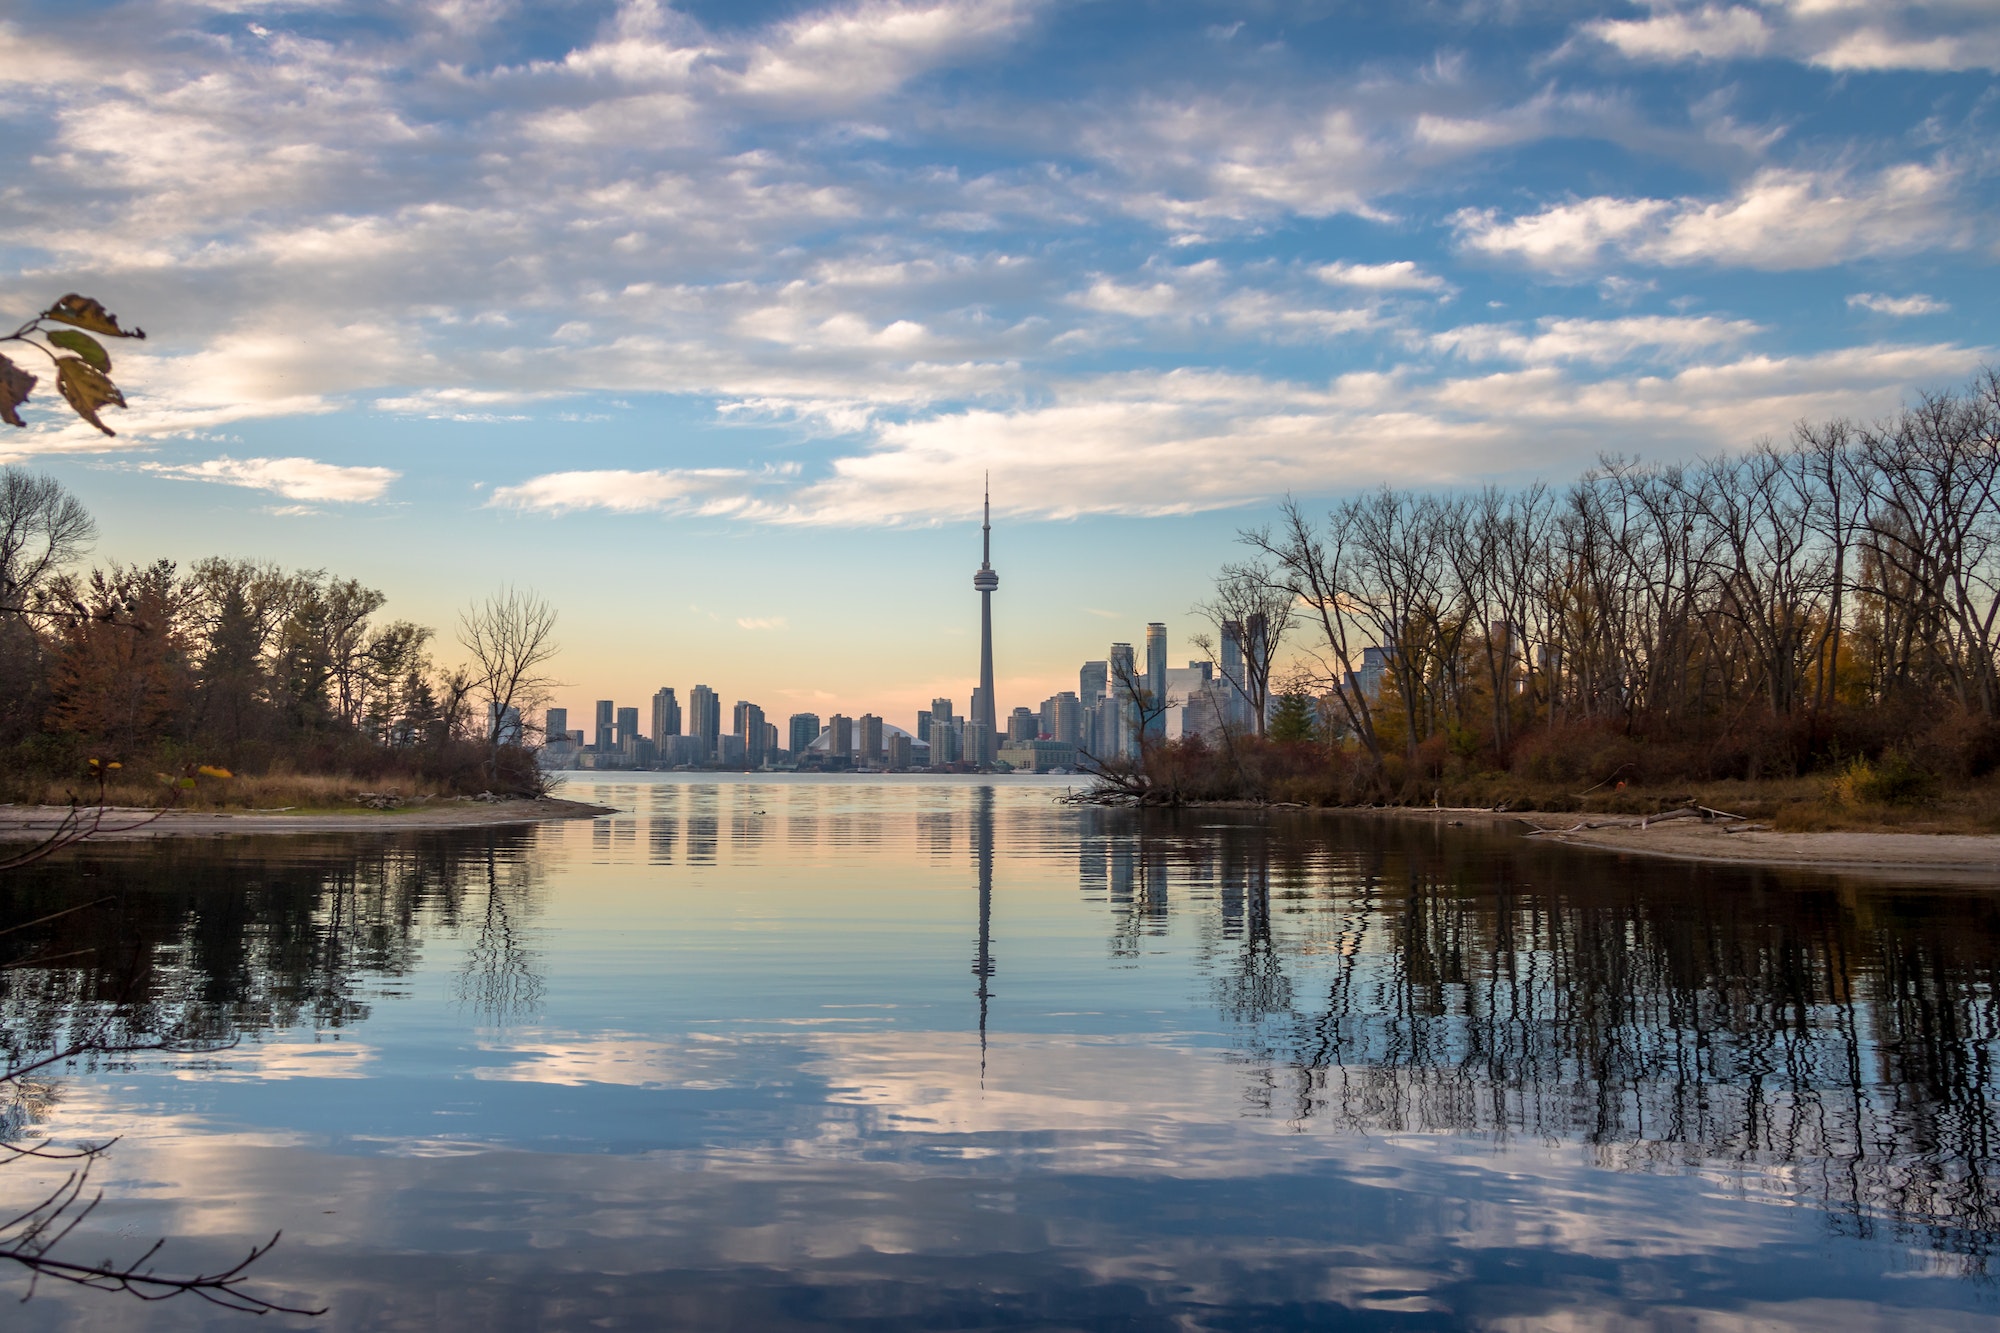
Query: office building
[(1156, 681), (666, 716), (870, 739), (503, 725), (986, 581), (555, 726), (1121, 706), (628, 725), (748, 722), (606, 727), (1023, 726), (804, 728), (1062, 718), (1238, 712), (705, 719), (924, 727)]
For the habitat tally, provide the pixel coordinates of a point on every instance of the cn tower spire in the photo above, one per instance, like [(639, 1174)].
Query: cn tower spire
[(985, 580)]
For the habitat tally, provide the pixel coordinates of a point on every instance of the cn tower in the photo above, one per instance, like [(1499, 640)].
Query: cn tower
[(986, 581)]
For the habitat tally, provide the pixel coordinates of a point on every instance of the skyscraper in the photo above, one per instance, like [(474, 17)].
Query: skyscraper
[(1121, 709), (1156, 680), (986, 581), (555, 726), (628, 725), (840, 737), (749, 724), (666, 716), (870, 739), (606, 710), (705, 720), (804, 731)]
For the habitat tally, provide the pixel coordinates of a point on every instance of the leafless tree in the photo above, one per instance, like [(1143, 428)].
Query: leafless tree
[(511, 637), (42, 528), (1253, 607)]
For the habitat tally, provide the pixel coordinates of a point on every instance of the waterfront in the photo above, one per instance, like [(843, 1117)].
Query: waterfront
[(940, 1052)]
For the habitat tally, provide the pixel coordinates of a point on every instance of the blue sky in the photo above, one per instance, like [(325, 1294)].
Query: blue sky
[(706, 320)]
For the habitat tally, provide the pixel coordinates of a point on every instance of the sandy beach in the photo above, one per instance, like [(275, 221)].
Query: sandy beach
[(32, 823), (1740, 842)]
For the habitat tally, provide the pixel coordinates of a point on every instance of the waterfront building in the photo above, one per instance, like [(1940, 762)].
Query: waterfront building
[(899, 750), (504, 726), (978, 747), (804, 728), (1156, 681), (748, 722), (606, 726), (666, 715), (772, 754), (924, 727), (1023, 725), (944, 743), (555, 726), (840, 737), (705, 719), (1121, 707), (628, 725), (870, 739), (730, 751), (986, 581), (1238, 712), (1062, 718)]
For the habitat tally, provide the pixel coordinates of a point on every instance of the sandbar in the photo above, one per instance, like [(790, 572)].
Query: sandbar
[(33, 823)]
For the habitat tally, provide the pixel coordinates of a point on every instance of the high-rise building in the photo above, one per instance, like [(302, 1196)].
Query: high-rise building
[(1023, 726), (748, 722), (1062, 718), (1256, 662), (1091, 682), (840, 737), (1156, 681), (705, 719), (555, 726), (666, 716), (944, 742), (979, 749), (606, 726), (503, 724), (898, 755), (986, 581), (1121, 711), (1237, 713), (628, 725), (804, 730), (924, 727), (771, 752), (870, 739)]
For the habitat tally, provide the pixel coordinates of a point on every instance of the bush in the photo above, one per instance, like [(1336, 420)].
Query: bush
[(1894, 780)]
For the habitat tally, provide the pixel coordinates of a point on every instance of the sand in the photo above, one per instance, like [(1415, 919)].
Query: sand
[(33, 823)]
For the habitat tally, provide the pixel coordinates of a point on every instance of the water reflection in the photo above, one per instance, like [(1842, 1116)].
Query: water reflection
[(1290, 1064)]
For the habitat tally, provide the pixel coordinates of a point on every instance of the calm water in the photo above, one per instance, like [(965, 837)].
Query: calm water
[(937, 1054)]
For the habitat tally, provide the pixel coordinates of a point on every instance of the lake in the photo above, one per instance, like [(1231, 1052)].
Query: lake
[(788, 1053)]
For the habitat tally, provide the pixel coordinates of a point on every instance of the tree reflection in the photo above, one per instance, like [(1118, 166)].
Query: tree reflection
[(499, 978), (1825, 1041)]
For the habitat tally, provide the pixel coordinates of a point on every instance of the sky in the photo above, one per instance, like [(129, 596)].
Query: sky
[(706, 321)]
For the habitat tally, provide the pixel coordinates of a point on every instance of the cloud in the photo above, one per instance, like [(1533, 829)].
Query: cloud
[(1900, 307), (1597, 341), (1879, 35), (293, 478), (1779, 219), (622, 491), (1402, 275), (760, 622)]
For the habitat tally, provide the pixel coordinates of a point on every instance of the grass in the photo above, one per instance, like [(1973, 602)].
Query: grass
[(304, 792)]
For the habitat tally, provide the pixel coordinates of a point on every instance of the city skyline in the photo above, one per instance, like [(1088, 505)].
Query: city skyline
[(738, 302)]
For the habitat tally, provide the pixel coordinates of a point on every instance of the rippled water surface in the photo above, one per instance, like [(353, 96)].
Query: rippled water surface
[(773, 1054)]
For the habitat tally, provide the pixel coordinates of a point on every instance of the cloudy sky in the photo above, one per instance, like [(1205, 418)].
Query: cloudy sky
[(706, 320)]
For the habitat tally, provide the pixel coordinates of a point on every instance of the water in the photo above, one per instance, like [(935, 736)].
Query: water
[(941, 1054)]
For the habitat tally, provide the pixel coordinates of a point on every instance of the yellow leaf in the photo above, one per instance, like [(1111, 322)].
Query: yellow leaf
[(84, 346), (211, 771), (87, 389), (15, 384), (86, 313)]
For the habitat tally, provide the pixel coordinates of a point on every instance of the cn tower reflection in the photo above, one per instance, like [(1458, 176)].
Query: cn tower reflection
[(982, 962)]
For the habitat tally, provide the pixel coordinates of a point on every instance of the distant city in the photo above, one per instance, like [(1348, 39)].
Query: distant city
[(1114, 709)]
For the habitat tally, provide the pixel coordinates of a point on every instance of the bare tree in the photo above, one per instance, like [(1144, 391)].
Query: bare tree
[(42, 528), (1253, 607), (511, 637)]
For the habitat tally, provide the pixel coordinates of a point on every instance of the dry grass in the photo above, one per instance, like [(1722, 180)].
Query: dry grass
[(317, 792)]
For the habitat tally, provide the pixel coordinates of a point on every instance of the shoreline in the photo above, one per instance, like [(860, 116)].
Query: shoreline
[(1961, 856), (33, 823)]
